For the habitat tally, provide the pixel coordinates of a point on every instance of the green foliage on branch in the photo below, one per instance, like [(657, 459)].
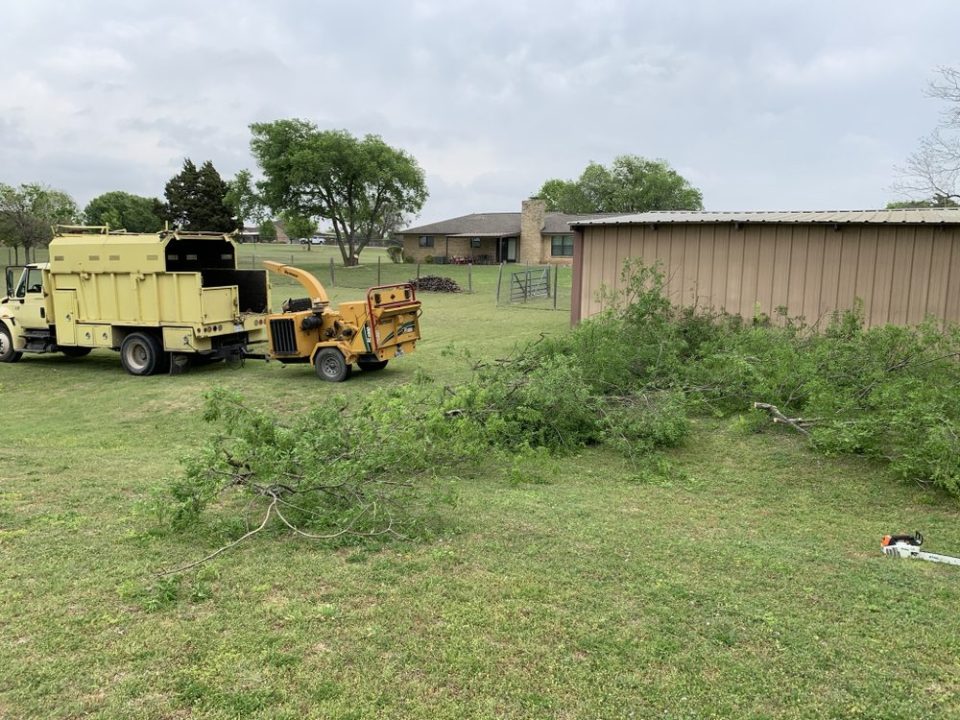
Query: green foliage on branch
[(890, 393), (329, 473), (629, 379)]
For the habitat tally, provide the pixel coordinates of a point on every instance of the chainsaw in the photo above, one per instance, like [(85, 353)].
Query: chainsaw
[(908, 546)]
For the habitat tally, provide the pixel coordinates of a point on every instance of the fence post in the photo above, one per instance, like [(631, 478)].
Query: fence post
[(470, 277), (333, 275), (418, 275), (556, 285), (499, 278), (291, 259), (526, 285)]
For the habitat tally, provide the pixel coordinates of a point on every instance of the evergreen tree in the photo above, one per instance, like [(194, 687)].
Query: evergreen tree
[(196, 199)]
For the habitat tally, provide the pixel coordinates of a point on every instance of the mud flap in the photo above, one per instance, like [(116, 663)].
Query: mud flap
[(179, 363)]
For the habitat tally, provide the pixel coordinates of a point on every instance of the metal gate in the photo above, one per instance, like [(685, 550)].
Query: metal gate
[(528, 284)]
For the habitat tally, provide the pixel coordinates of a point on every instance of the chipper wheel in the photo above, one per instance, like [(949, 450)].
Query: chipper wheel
[(331, 366)]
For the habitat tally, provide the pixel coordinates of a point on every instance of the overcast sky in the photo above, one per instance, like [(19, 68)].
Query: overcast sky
[(763, 105)]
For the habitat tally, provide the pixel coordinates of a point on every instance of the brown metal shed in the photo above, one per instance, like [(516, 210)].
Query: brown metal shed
[(903, 264)]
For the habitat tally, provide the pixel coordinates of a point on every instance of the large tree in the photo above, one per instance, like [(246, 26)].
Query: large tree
[(28, 214), (119, 209), (630, 184), (297, 226), (244, 200), (197, 199), (933, 171), (356, 184)]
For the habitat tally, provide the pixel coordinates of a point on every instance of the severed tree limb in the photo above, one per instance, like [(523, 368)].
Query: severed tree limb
[(778, 417), (211, 556)]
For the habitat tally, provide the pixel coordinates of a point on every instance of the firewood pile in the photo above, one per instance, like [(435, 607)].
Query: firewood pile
[(435, 283)]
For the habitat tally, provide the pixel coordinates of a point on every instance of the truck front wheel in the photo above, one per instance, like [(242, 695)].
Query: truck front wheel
[(7, 353), (141, 354), (331, 366)]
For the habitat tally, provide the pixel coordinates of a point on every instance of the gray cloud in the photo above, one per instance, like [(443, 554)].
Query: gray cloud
[(773, 105)]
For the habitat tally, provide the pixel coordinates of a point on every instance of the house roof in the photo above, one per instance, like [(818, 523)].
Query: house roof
[(488, 224), (908, 216), (555, 222), (498, 224)]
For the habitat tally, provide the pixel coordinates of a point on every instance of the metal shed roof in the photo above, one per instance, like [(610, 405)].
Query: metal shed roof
[(910, 216)]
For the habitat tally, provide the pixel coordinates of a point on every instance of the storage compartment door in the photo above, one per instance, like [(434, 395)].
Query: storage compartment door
[(65, 316)]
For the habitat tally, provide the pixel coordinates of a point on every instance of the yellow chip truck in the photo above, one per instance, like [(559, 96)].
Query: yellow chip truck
[(154, 297)]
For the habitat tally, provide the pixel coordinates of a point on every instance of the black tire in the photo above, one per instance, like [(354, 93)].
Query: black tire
[(142, 354), (75, 352), (7, 353), (371, 365), (331, 366)]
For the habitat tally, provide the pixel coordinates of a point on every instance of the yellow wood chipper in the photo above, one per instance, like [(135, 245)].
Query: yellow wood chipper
[(367, 333)]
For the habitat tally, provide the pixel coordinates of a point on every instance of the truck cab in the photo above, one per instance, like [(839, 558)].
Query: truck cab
[(25, 312)]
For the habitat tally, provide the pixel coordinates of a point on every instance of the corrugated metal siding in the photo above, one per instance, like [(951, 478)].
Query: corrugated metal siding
[(903, 273)]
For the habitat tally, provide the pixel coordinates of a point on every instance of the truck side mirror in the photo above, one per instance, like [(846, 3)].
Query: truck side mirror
[(10, 282)]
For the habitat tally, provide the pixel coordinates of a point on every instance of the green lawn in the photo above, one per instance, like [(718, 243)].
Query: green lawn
[(750, 585)]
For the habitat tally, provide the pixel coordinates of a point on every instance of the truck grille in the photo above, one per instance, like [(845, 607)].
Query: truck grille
[(283, 336)]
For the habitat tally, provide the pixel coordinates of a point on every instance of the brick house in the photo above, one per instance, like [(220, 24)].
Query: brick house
[(532, 236)]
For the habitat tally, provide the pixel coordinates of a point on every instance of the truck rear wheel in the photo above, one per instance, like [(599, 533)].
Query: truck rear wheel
[(368, 365), (142, 354), (331, 366), (7, 353)]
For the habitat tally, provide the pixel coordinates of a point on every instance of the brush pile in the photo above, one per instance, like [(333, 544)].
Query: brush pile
[(435, 283)]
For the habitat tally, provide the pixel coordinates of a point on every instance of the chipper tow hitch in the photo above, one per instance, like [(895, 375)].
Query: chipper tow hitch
[(908, 546)]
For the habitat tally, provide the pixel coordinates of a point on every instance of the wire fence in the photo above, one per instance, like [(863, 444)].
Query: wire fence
[(544, 287)]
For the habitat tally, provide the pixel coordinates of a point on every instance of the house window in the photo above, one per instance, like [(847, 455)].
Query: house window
[(426, 241), (475, 242), (561, 246)]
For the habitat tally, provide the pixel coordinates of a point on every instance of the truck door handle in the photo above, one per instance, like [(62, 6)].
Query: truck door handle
[(43, 312)]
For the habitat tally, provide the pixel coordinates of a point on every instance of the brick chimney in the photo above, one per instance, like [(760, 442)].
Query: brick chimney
[(532, 214)]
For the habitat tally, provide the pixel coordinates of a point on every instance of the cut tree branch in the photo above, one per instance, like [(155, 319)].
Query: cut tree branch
[(778, 417)]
